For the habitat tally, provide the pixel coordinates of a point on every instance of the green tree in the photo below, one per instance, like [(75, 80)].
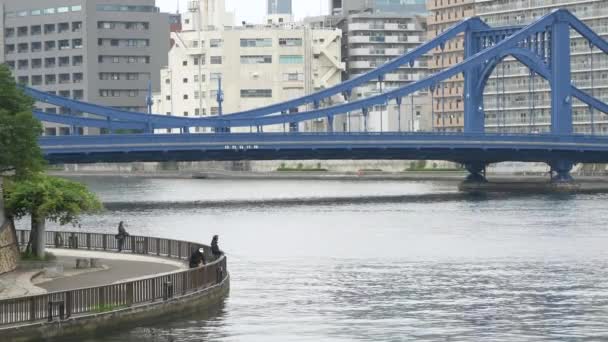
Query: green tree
[(47, 198), (19, 130)]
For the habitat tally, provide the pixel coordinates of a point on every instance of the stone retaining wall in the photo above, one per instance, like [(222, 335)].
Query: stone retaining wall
[(9, 253)]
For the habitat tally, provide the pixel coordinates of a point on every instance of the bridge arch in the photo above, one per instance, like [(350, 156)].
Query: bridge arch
[(525, 56)]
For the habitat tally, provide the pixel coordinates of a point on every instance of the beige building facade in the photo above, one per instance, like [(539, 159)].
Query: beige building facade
[(258, 66)]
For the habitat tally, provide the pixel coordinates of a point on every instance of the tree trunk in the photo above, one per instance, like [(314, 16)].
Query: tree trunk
[(39, 231)]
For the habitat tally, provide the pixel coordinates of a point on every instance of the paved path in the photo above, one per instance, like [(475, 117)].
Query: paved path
[(116, 267)]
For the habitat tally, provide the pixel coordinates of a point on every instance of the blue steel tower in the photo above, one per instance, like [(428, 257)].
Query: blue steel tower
[(279, 7)]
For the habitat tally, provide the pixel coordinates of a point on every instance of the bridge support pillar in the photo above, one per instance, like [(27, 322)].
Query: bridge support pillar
[(477, 172), (561, 169), (330, 124), (474, 117), (561, 96)]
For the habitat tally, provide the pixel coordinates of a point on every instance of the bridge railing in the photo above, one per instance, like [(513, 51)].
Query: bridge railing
[(111, 297)]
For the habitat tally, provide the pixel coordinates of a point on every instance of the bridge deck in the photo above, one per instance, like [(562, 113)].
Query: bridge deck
[(264, 146)]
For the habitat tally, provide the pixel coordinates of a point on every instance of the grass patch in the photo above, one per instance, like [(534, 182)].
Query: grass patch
[(28, 256), (300, 168), (108, 308)]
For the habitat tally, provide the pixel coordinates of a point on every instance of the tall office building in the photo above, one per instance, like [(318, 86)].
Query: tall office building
[(100, 51), (258, 65), (514, 100), (279, 7)]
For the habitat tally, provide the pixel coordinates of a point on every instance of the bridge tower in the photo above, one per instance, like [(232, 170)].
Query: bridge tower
[(548, 50)]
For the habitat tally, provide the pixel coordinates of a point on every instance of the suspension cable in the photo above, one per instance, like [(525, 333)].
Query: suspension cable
[(592, 89), (497, 102), (432, 90), (530, 80), (504, 105), (442, 95)]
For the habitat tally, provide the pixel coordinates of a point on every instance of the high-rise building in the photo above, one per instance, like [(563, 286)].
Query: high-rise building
[(98, 51), (447, 106), (258, 65), (403, 7), (371, 37), (279, 7), (515, 100)]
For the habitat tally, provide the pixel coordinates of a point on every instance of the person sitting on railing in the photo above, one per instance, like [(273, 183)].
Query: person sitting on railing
[(215, 249), (121, 236), (197, 257)]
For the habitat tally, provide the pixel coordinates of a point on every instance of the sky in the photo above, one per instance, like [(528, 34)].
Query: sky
[(253, 10)]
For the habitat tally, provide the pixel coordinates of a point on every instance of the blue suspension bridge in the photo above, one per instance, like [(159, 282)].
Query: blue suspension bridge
[(542, 46)]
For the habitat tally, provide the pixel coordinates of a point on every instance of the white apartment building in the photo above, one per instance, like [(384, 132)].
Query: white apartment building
[(370, 39), (258, 65)]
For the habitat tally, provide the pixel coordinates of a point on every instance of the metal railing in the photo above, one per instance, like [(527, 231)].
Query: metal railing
[(111, 297)]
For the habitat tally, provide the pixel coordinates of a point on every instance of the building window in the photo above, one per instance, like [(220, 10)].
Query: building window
[(215, 60), (167, 81), (195, 78), (256, 59), (290, 41), (36, 46), (64, 61), (214, 76), (293, 76), (63, 27), (184, 63), (256, 42), (49, 45), (64, 44), (185, 97), (216, 43), (291, 59), (133, 93), (76, 60), (49, 28), (36, 30), (77, 43), (185, 80), (76, 26), (168, 97), (249, 93)]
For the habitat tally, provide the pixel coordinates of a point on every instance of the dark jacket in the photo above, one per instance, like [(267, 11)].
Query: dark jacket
[(196, 258), (215, 249)]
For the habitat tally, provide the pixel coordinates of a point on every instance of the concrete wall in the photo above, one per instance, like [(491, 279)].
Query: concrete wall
[(9, 254), (254, 166)]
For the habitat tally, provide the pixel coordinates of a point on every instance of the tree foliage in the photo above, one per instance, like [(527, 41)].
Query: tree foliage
[(51, 198), (19, 130)]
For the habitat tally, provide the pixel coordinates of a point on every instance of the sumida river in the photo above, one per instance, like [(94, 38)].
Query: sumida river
[(376, 260)]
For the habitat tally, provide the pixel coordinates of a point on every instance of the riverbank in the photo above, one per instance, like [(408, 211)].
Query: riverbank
[(449, 175)]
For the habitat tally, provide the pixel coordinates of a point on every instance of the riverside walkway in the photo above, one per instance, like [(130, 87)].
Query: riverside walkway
[(148, 280), (62, 274)]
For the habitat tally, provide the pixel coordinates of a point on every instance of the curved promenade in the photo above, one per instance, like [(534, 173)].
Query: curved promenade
[(87, 310)]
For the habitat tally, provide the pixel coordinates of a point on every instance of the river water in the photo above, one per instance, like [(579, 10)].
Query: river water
[(376, 260)]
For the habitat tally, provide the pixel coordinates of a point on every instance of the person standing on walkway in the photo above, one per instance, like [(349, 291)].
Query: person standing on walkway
[(121, 236), (215, 249)]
